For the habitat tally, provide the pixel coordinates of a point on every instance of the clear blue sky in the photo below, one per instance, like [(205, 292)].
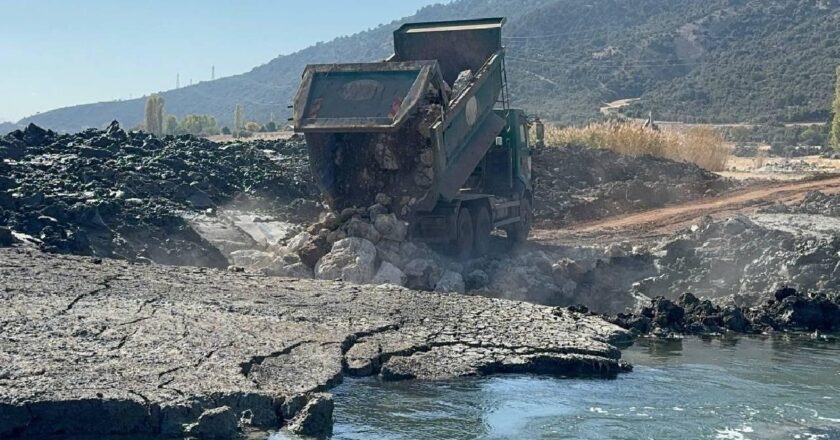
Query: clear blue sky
[(55, 53)]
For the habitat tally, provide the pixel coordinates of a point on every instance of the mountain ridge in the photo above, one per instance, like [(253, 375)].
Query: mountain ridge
[(711, 61)]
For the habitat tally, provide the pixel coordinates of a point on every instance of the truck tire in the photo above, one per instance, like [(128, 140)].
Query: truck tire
[(464, 243), (518, 232), (482, 228)]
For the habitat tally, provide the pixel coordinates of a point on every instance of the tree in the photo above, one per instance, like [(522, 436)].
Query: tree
[(199, 125), (252, 126), (834, 138), (153, 116), (225, 130), (271, 126), (171, 125), (238, 118)]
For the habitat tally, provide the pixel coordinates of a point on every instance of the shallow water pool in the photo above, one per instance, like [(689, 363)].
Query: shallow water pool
[(717, 388)]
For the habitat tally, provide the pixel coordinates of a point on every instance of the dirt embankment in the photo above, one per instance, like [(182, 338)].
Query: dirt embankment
[(575, 184)]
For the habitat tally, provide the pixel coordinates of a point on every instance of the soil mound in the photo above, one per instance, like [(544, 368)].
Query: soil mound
[(574, 183)]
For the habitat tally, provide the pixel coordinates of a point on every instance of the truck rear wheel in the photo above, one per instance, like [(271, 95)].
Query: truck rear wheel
[(483, 227), (518, 232), (464, 242)]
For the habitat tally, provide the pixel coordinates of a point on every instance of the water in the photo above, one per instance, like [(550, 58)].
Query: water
[(748, 388)]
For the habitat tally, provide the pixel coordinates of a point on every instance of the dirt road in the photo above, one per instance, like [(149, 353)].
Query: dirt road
[(662, 222)]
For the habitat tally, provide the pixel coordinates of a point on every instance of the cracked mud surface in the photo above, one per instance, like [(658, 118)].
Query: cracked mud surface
[(89, 347)]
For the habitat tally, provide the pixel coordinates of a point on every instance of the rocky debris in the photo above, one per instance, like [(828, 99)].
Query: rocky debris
[(788, 310), (371, 246), (280, 263), (573, 184), (814, 203), (461, 83), (781, 150), (738, 261), (355, 167), (451, 282), (119, 194), (188, 342), (796, 166), (315, 419), (352, 259), (389, 274), (564, 277)]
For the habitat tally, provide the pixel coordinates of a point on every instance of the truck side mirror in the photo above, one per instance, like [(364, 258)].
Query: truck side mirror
[(499, 141)]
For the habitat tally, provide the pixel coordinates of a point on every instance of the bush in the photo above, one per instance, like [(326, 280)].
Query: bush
[(702, 146), (225, 130)]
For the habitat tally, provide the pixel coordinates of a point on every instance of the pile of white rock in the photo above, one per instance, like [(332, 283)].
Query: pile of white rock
[(358, 245)]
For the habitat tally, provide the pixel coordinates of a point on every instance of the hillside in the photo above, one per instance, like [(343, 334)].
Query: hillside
[(715, 61)]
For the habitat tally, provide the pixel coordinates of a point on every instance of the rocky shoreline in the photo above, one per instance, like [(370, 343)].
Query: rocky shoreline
[(787, 311), (94, 346)]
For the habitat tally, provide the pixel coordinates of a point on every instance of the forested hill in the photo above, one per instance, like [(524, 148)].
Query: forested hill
[(688, 60)]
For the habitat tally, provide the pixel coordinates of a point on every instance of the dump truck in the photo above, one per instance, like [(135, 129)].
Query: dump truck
[(428, 131)]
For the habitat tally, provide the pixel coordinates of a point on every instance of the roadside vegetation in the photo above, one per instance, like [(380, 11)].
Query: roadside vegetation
[(157, 122), (702, 146)]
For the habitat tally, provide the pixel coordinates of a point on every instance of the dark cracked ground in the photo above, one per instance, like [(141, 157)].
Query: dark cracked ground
[(101, 347)]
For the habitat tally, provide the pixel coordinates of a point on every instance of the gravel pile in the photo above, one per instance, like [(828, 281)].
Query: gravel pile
[(119, 194), (575, 184)]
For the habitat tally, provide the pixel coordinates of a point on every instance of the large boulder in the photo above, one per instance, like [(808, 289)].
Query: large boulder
[(390, 227), (216, 423), (362, 229), (391, 251), (313, 250), (389, 274), (252, 259), (423, 273), (315, 419), (299, 241), (451, 282), (352, 259)]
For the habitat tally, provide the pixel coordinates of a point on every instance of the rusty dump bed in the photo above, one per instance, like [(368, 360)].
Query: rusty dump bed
[(371, 97), (413, 127)]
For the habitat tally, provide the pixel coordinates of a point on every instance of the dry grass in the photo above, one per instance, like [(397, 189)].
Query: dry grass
[(700, 145)]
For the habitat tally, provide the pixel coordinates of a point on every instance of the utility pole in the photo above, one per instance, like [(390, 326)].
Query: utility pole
[(177, 80), (212, 73)]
